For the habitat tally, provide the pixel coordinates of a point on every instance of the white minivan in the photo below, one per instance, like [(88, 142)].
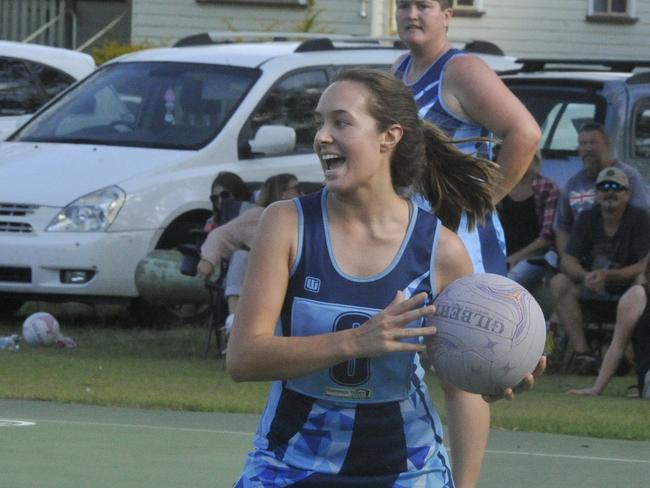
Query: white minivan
[(122, 163)]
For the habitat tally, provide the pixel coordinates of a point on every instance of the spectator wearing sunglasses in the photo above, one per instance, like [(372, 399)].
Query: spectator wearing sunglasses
[(230, 197), (579, 193), (606, 252), (233, 240)]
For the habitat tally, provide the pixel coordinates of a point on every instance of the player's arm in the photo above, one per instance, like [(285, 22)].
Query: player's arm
[(255, 353), (475, 92), (468, 415)]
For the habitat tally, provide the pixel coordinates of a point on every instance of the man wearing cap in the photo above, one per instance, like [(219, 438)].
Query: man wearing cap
[(579, 193), (606, 251)]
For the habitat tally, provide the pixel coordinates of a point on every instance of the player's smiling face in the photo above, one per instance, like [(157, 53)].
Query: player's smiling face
[(348, 141), (420, 21)]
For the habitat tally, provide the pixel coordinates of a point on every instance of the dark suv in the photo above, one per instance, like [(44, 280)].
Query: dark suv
[(563, 94)]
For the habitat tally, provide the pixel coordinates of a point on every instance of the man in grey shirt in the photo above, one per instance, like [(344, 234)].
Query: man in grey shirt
[(580, 191)]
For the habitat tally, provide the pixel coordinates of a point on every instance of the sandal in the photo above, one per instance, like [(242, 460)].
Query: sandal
[(586, 364)]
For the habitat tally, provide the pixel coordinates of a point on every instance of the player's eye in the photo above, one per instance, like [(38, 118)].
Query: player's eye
[(340, 123)]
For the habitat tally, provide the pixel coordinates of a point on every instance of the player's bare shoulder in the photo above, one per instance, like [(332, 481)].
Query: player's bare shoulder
[(279, 226), (464, 69)]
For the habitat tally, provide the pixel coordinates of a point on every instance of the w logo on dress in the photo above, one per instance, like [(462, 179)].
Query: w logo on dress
[(312, 284)]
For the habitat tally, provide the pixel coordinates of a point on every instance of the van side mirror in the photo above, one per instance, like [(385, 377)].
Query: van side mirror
[(273, 140)]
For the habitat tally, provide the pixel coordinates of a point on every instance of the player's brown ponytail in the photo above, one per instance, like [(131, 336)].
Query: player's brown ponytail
[(453, 181)]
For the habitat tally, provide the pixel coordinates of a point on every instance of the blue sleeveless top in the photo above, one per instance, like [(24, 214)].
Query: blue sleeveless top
[(321, 298), (340, 427), (485, 244)]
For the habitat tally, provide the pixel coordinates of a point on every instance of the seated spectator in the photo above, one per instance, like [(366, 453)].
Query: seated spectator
[(579, 193), (632, 324), (229, 196), (233, 239), (527, 214), (606, 252)]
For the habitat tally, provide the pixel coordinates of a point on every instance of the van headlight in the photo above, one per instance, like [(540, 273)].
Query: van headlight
[(94, 212)]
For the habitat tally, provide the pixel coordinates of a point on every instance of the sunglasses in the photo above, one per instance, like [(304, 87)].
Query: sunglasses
[(607, 186), (220, 196)]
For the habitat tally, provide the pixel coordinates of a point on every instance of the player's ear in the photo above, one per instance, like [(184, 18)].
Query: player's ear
[(448, 13), (391, 137)]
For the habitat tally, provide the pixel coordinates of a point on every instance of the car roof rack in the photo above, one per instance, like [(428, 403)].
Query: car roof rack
[(530, 65), (310, 41), (321, 41)]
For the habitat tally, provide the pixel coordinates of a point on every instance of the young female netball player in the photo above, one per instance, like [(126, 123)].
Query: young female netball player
[(338, 285)]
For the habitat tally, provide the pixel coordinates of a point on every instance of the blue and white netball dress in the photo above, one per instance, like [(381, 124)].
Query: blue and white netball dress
[(485, 244), (365, 422)]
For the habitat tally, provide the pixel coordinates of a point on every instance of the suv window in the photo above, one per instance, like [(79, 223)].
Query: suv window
[(641, 139), (560, 129), (19, 94), (157, 104), (291, 102), (641, 129), (560, 113), (52, 80)]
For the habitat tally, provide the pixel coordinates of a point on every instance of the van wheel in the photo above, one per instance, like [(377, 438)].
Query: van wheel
[(185, 231), (9, 306)]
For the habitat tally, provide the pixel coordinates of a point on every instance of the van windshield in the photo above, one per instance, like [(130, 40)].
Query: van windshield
[(158, 104)]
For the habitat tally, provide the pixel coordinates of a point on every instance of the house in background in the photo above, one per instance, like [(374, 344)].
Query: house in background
[(75, 24), (532, 28), (616, 29)]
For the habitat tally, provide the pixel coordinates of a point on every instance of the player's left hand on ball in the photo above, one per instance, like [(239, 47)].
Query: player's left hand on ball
[(526, 384)]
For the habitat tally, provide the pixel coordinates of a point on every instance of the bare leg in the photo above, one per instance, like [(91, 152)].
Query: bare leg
[(468, 423), (565, 295), (232, 303), (235, 278), (628, 312)]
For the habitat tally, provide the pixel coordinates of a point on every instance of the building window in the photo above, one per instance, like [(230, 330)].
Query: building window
[(610, 6), (621, 11), (468, 8), (461, 4)]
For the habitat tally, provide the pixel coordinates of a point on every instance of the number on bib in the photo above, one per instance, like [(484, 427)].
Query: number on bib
[(356, 371)]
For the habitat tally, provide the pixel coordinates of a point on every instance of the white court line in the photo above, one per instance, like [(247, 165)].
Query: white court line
[(250, 434), (15, 423), (569, 456), (140, 426)]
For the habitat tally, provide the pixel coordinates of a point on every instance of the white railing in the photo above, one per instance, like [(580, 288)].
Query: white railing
[(39, 21)]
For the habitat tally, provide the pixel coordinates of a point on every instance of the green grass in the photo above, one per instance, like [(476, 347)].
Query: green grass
[(122, 366)]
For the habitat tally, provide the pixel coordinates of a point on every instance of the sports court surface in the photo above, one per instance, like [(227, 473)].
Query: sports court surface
[(51, 445)]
